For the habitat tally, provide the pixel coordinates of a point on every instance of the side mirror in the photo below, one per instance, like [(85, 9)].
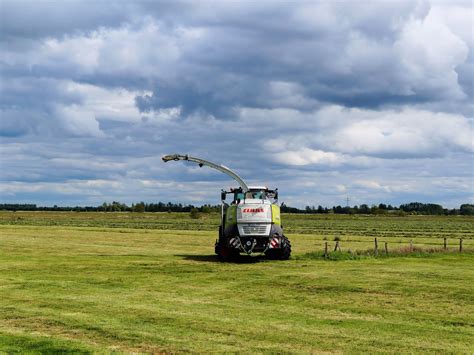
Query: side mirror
[(223, 195), (276, 194)]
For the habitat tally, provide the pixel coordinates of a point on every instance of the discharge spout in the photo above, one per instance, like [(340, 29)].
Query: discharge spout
[(202, 162)]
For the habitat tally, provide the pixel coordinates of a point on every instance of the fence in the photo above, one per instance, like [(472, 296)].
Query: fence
[(411, 248)]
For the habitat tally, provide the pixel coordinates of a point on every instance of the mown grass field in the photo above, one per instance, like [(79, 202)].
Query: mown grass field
[(150, 282)]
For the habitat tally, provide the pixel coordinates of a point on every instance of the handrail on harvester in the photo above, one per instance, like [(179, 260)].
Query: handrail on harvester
[(201, 162)]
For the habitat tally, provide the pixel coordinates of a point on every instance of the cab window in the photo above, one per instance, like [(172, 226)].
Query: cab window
[(238, 196)]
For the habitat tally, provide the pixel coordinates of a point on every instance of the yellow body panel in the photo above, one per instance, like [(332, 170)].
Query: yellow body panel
[(231, 215), (276, 219)]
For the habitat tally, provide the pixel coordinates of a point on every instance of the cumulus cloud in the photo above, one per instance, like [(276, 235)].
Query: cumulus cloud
[(42, 107), (336, 135), (425, 70), (409, 133), (308, 156)]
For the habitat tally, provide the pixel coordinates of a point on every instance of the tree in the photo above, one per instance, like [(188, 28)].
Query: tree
[(206, 209), (139, 207), (423, 208), (375, 210), (194, 214), (467, 209)]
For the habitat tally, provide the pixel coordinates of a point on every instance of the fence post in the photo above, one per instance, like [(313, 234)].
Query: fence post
[(337, 246), (325, 249), (445, 243), (376, 247), (460, 245), (411, 245), (386, 248)]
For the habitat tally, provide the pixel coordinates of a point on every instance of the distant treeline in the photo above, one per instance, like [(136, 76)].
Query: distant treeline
[(114, 207), (408, 208)]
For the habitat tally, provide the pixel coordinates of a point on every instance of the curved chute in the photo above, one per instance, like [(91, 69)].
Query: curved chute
[(202, 162)]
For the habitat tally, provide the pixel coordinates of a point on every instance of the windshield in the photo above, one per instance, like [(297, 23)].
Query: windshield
[(254, 194)]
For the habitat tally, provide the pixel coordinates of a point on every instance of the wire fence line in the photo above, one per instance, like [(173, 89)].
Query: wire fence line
[(383, 246)]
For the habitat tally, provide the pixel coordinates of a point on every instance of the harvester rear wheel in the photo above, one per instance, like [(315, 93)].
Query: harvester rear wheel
[(282, 253), (224, 253)]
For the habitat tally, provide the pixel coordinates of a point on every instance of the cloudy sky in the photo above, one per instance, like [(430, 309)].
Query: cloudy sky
[(322, 99)]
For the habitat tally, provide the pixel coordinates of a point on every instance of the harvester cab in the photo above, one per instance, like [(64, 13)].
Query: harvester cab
[(251, 222)]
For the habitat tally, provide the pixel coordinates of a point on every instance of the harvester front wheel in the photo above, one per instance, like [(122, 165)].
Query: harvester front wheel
[(283, 253)]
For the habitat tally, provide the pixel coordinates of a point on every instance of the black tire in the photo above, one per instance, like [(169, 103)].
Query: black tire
[(224, 253), (282, 253), (219, 241)]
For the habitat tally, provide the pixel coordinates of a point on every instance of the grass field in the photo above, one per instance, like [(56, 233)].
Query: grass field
[(150, 282)]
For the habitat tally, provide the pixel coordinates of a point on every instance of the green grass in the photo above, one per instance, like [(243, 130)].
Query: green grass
[(85, 282)]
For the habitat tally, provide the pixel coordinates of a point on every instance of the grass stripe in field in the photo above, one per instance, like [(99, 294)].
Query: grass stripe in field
[(295, 223)]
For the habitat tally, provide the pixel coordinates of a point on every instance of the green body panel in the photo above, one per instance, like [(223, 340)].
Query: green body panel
[(231, 216), (276, 219)]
